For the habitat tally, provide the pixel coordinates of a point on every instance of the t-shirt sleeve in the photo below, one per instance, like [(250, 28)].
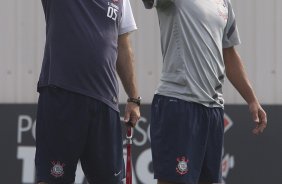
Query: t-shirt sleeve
[(231, 34), (127, 23)]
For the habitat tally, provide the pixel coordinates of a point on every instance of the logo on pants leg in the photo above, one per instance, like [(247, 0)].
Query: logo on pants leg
[(58, 169), (182, 167)]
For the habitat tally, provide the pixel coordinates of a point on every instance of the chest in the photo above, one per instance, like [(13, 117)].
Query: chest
[(214, 12), (102, 9)]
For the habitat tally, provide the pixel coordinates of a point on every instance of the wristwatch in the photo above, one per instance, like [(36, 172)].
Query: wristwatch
[(137, 100)]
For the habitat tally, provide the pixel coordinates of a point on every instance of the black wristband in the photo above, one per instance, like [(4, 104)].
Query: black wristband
[(137, 100)]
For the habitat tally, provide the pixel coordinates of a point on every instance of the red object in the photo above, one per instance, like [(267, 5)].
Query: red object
[(128, 158)]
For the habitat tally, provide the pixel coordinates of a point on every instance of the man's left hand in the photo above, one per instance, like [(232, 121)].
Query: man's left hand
[(132, 114)]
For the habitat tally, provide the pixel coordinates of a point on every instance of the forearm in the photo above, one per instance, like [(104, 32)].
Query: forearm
[(237, 75), (125, 70), (125, 66)]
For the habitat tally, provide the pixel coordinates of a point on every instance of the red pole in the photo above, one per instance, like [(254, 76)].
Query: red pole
[(128, 159)]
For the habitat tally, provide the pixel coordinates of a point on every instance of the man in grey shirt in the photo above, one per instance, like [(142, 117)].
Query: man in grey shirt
[(198, 39)]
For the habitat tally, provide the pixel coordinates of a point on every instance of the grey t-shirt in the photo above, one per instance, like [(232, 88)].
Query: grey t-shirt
[(193, 35)]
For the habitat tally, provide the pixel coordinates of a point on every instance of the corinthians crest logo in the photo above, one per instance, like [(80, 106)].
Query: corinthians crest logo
[(222, 9), (58, 169), (182, 167)]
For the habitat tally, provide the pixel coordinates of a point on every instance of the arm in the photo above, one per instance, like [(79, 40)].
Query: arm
[(236, 74), (125, 70)]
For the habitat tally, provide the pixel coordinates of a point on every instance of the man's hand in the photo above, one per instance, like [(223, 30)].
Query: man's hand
[(132, 114), (259, 117)]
